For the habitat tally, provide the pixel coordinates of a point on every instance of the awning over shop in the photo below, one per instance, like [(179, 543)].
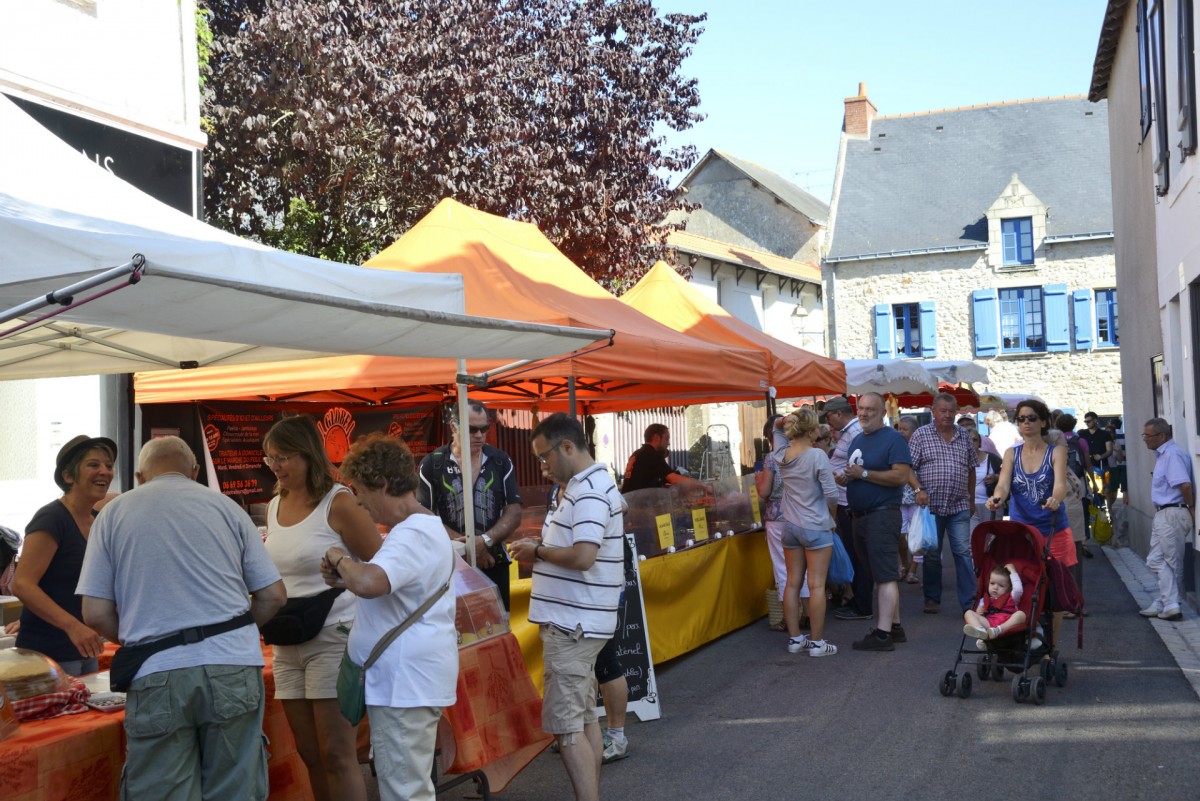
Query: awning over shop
[(664, 295)]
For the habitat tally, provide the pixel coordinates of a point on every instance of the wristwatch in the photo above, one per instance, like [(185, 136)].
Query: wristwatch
[(864, 475), (487, 540)]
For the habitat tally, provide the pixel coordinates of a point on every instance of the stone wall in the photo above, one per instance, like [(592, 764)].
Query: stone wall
[(1075, 379)]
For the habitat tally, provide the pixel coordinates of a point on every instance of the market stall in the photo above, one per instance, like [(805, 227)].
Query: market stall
[(664, 295), (509, 269)]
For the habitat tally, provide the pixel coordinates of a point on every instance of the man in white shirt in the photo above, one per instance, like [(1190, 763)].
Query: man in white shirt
[(578, 575)]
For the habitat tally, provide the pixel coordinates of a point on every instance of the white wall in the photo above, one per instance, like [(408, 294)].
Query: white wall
[(40, 416), (130, 61)]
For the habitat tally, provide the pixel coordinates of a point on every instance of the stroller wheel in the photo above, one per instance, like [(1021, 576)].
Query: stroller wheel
[(946, 683), (1060, 675), (1046, 668), (997, 668), (1020, 688), (984, 669), (964, 685), (1037, 689)]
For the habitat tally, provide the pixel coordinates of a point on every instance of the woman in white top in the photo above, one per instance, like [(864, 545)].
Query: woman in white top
[(417, 675), (309, 514), (987, 473)]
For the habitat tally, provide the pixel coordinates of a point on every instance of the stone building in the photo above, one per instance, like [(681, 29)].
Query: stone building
[(754, 245), (1145, 72), (980, 233)]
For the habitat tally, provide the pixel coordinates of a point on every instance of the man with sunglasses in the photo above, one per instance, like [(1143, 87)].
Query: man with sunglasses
[(578, 577), (495, 494)]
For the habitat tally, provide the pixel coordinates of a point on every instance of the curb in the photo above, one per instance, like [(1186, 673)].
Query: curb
[(1182, 638)]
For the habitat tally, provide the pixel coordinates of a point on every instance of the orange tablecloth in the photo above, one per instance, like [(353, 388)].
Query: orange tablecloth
[(495, 726)]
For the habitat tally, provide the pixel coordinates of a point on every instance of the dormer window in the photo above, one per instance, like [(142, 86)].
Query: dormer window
[(1017, 240)]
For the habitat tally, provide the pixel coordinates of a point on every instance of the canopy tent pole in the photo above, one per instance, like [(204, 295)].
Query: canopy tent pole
[(571, 395), (65, 297), (464, 457)]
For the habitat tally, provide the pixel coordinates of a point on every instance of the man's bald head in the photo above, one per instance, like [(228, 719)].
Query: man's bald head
[(165, 455)]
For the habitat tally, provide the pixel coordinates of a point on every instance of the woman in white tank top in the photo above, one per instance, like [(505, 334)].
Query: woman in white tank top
[(310, 513)]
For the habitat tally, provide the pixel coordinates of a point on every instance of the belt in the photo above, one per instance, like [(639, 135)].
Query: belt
[(873, 511), (1180, 505)]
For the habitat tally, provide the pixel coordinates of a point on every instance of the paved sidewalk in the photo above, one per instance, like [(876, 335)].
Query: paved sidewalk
[(1182, 638)]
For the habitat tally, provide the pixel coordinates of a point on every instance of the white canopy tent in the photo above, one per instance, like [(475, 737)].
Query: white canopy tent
[(895, 376), (204, 296), (72, 235)]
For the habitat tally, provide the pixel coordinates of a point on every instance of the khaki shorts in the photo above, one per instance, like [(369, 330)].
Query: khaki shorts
[(310, 669), (570, 680)]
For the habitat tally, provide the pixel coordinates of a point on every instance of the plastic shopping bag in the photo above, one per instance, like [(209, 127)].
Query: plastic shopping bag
[(923, 521), (840, 569), (915, 533)]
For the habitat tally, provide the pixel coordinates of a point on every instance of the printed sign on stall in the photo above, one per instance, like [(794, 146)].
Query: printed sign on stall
[(633, 642)]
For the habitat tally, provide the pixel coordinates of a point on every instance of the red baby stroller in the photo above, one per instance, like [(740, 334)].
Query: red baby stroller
[(999, 542)]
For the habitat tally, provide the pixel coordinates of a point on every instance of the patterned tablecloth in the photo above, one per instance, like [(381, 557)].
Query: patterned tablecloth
[(495, 727)]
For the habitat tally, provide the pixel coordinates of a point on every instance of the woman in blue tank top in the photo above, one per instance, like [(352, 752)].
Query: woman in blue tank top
[(1035, 473)]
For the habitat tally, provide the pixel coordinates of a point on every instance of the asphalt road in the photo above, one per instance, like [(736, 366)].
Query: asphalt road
[(744, 719)]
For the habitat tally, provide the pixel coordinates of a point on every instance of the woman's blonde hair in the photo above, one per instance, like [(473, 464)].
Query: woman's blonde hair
[(800, 423)]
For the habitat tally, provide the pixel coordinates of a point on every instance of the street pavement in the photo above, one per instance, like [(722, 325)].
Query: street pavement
[(744, 719)]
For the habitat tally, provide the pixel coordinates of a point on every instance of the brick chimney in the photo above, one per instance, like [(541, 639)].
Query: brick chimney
[(859, 113)]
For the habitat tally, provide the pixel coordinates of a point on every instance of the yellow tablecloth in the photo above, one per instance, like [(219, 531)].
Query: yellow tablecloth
[(692, 597)]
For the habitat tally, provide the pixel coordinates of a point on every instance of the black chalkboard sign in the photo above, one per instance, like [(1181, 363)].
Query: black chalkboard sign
[(633, 643)]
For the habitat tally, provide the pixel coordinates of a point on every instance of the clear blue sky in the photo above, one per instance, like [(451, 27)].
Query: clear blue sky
[(774, 73)]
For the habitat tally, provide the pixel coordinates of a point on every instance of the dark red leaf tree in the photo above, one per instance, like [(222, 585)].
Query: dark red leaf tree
[(335, 125)]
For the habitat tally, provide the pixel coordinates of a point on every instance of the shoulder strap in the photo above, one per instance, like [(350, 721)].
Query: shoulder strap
[(391, 636)]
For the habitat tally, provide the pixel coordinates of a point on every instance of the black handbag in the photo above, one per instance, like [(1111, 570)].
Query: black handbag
[(300, 619)]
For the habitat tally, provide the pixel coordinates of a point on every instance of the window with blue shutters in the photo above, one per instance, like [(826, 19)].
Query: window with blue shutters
[(1107, 333), (907, 318), (1022, 320), (1016, 237), (986, 322), (1081, 305)]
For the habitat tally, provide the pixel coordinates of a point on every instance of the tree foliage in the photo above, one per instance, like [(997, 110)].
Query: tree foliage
[(338, 125)]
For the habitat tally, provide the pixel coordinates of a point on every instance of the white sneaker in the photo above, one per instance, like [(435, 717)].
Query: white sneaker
[(798, 644), (824, 649), (1153, 610), (616, 749), (1172, 613)]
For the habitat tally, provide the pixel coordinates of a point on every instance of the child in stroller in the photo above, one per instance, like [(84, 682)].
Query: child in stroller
[(998, 610)]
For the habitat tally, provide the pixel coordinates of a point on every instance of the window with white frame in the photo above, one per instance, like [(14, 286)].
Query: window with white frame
[(1107, 329), (1022, 320), (908, 329), (1016, 236)]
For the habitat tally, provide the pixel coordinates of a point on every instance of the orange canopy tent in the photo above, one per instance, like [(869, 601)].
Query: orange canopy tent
[(664, 295), (509, 270)]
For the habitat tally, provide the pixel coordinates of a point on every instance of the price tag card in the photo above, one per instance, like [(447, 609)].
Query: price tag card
[(754, 509), (700, 524), (666, 534)]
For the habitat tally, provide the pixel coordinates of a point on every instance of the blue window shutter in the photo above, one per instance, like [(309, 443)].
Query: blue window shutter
[(885, 332), (928, 329), (1058, 334), (1081, 305), (986, 313)]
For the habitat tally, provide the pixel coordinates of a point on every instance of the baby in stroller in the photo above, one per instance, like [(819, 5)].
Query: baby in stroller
[(997, 612)]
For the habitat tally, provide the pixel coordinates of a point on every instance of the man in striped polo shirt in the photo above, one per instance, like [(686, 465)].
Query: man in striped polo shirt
[(578, 574)]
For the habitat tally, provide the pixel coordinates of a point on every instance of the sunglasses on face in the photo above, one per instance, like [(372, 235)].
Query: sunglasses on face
[(1027, 418), (479, 429)]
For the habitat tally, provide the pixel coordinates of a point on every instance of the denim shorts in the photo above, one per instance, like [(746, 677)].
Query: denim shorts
[(811, 539)]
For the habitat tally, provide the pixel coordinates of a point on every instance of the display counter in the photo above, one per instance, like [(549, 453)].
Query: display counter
[(692, 597)]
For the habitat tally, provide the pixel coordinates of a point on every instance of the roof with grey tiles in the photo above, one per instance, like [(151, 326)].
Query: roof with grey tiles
[(776, 184), (923, 181)]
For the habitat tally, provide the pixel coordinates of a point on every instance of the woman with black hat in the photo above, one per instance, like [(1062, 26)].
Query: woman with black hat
[(55, 539)]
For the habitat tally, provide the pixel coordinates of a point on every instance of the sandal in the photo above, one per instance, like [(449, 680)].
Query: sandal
[(911, 578), (777, 627)]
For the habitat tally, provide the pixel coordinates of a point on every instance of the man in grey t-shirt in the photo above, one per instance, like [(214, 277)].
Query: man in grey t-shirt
[(168, 557)]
